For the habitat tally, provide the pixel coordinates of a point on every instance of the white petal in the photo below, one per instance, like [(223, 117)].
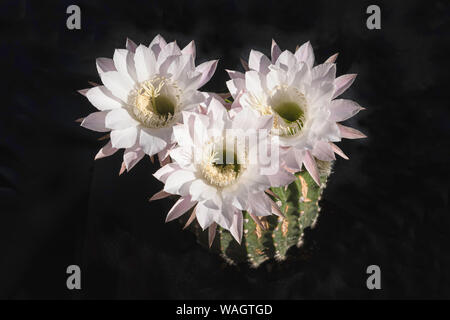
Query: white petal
[(202, 191), (258, 61), (119, 85), (102, 99), (179, 208), (237, 226), (342, 109), (157, 44), (164, 172), (119, 119), (145, 62), (207, 70), (124, 62), (204, 215), (176, 181), (235, 86), (306, 54), (124, 138), (342, 83), (151, 142), (189, 49), (287, 61), (96, 121), (254, 82), (182, 156)]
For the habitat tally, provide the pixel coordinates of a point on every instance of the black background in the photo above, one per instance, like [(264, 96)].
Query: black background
[(387, 206)]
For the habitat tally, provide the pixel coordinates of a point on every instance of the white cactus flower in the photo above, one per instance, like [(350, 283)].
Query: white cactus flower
[(301, 99), (218, 172), (144, 91)]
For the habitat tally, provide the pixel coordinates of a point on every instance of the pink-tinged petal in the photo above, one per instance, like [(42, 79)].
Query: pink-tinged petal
[(323, 151), (191, 218), (95, 121), (163, 173), (350, 133), (275, 51), (145, 63), (179, 208), (207, 70), (124, 62), (132, 156), (338, 151), (311, 166), (323, 73), (281, 178), (102, 99), (157, 44), (151, 142), (259, 62), (177, 179), (105, 65), (342, 109), (106, 151), (189, 49), (123, 168), (163, 160), (130, 45), (119, 85), (257, 221), (159, 195), (305, 54), (119, 119), (84, 91), (244, 64), (124, 138), (212, 233), (237, 226), (275, 209), (332, 59), (235, 74), (342, 83), (260, 204)]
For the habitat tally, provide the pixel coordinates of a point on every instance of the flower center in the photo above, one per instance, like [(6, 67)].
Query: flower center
[(221, 167), (156, 102), (289, 106), (289, 111)]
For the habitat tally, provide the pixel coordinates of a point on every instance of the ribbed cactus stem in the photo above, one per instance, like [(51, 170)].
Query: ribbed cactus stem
[(273, 236)]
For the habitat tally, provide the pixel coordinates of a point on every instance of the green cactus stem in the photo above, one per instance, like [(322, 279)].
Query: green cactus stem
[(299, 202)]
